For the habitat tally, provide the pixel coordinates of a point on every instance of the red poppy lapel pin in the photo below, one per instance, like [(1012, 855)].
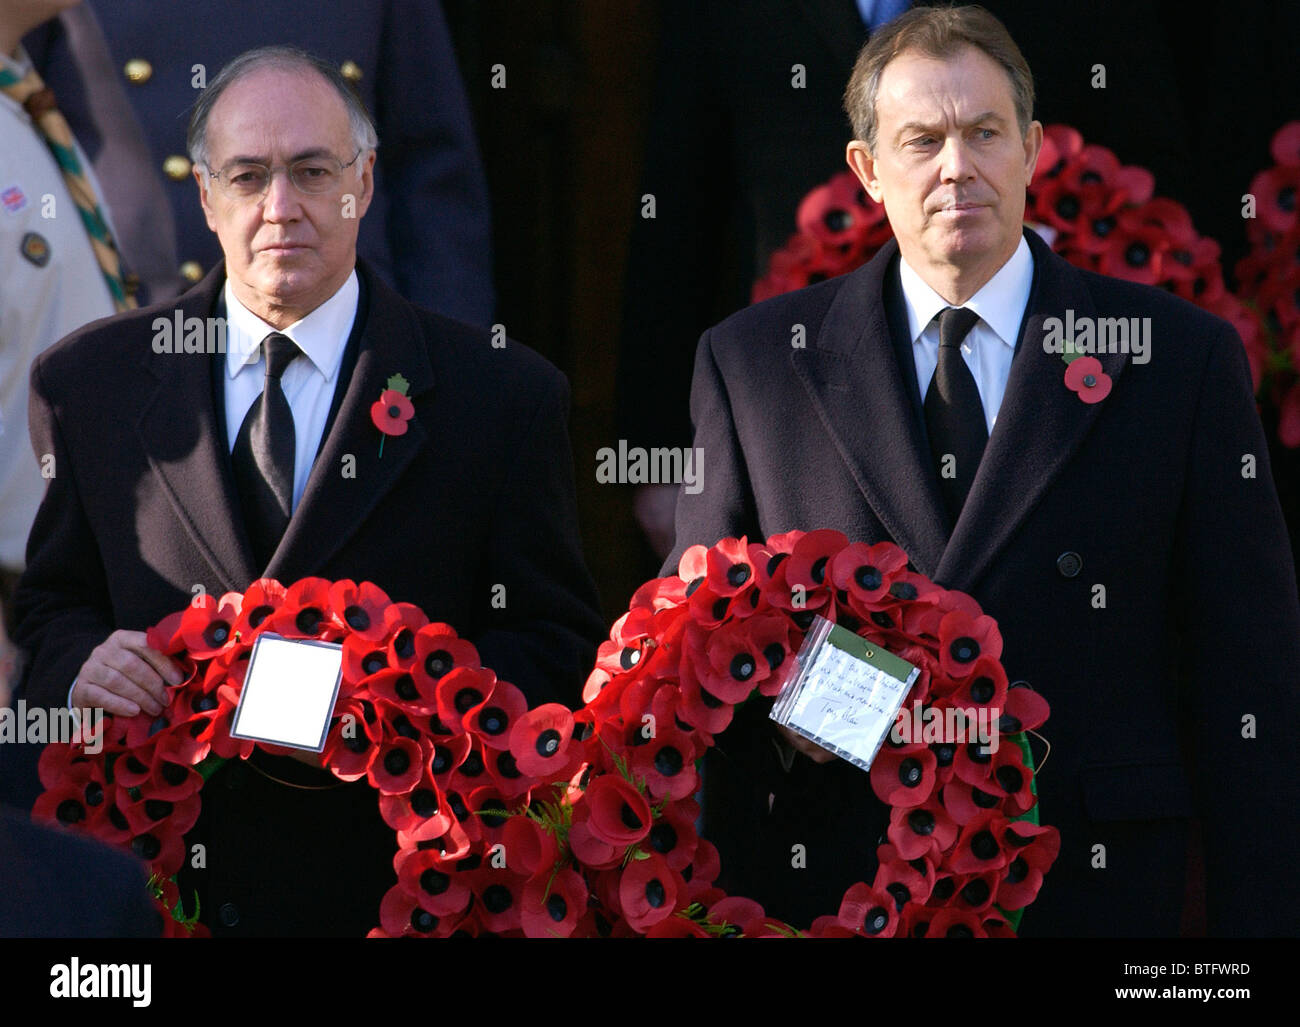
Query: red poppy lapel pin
[(1084, 376), (393, 410)]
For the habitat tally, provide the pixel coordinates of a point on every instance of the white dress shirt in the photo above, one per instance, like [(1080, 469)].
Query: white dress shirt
[(308, 382), (991, 344)]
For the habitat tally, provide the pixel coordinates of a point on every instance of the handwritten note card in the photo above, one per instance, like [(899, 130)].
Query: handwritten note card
[(846, 693)]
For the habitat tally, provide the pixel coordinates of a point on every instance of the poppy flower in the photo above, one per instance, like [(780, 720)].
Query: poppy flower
[(150, 812), (504, 772), (165, 636), (361, 607), (449, 755), (1025, 709), (727, 567), (400, 915), (618, 813), (1031, 849), (261, 599), (955, 923), (448, 848), (588, 848), (498, 895), (677, 927), (422, 813), (734, 665), (433, 883), (1276, 192), (402, 690), (810, 560), (161, 846), (904, 778), (391, 412), (539, 740), (666, 764), (963, 639), (979, 847), (439, 651), (868, 912), (648, 891), (701, 708), (551, 905), (208, 625), (459, 691), (529, 847), (902, 880), (918, 832), (740, 916), (492, 720), (401, 622), (352, 741), (396, 766), (306, 612), (866, 572)]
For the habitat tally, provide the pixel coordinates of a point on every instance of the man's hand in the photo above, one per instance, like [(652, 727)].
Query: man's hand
[(124, 676), (800, 744)]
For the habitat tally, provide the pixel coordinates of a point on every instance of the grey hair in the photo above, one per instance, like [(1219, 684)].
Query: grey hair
[(288, 58)]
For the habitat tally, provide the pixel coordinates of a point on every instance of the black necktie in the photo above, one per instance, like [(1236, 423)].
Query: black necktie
[(954, 415), (263, 455)]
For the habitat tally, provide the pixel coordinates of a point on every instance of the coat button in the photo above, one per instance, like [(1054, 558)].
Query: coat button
[(1069, 564), (191, 271), (351, 71), (228, 914), (177, 168), (138, 71)]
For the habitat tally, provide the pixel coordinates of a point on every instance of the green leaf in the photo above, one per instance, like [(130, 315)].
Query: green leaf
[(399, 384)]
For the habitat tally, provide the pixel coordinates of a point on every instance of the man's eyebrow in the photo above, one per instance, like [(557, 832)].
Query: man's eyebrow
[(922, 126), (315, 151)]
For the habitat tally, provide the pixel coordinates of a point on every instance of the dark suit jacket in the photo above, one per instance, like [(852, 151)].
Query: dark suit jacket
[(477, 493), (1200, 626), (60, 886), (427, 231)]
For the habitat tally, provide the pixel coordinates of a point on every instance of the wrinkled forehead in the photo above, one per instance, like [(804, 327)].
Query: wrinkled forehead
[(275, 115), (964, 87)]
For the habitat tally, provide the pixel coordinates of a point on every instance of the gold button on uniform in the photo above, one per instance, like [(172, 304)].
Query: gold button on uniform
[(177, 168), (351, 71), (191, 271), (138, 71)]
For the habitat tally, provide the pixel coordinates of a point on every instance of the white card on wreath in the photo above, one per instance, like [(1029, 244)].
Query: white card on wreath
[(289, 692), (846, 694)]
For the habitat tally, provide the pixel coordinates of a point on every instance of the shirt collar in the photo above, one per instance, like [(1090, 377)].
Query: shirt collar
[(321, 335), (1000, 302)]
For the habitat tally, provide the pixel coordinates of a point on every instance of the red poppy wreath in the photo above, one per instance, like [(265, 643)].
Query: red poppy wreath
[(547, 822)]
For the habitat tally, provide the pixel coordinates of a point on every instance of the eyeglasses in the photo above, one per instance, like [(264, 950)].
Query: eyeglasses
[(245, 180)]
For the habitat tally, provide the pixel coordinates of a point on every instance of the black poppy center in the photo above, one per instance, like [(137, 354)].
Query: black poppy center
[(493, 720), (146, 847), (94, 793), (1136, 254), (737, 574), (357, 618), (976, 892), (216, 633), (70, 811), (742, 666), (308, 620), (876, 920), (506, 766), (156, 809), (655, 895), (556, 908), (424, 803), (434, 882), (1018, 870), (1102, 226), (630, 820), (904, 590), (438, 663), (497, 898), (964, 649), (838, 220), (203, 703), (910, 772), (397, 761), (1068, 207), (982, 690), (944, 753), (423, 921), (663, 838), (818, 571), (173, 773), (373, 662), (260, 614), (405, 688), (466, 699), (1009, 778), (921, 821), (441, 758), (356, 743), (548, 742), (984, 845), (668, 761), (900, 893), (394, 412), (629, 657), (774, 654), (472, 765), (983, 799), (868, 578)]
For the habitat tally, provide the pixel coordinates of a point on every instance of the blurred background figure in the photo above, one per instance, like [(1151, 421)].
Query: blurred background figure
[(59, 264), (57, 885), (428, 230)]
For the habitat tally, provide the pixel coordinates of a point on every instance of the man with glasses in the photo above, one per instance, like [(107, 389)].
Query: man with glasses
[(181, 472)]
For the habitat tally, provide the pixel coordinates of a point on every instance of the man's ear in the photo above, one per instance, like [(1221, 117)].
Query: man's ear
[(1033, 147), (864, 167), (205, 185), (366, 193)]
